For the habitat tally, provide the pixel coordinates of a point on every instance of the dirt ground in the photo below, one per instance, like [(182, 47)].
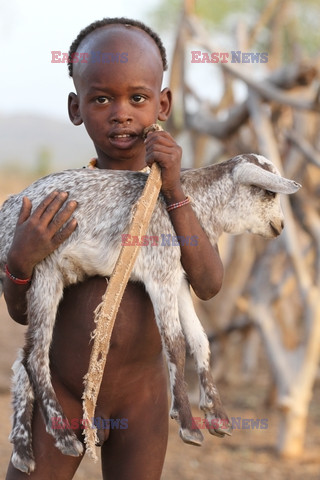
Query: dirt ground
[(249, 453)]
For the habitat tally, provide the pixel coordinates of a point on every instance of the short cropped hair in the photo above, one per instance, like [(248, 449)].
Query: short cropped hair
[(114, 21)]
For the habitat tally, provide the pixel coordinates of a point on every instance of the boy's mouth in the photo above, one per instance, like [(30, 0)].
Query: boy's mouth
[(124, 139)]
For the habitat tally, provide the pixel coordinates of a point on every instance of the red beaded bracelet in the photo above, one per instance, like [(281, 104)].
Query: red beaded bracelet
[(18, 281), (179, 204)]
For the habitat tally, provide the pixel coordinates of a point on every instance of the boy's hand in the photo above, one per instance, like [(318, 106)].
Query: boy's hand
[(40, 233), (161, 148)]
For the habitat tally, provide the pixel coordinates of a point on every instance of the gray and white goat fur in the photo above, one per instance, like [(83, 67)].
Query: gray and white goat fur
[(234, 196)]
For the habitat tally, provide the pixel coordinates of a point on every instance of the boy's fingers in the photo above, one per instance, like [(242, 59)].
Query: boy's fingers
[(44, 204), (64, 233), (162, 155), (48, 208), (163, 138), (160, 151), (62, 217), (25, 210)]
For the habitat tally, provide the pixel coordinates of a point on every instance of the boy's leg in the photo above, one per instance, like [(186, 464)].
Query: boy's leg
[(50, 462), (138, 451)]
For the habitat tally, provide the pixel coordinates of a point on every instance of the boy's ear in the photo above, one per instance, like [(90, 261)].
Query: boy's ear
[(73, 109), (165, 104)]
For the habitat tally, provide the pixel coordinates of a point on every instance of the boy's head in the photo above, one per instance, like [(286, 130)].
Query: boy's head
[(118, 87), (115, 21)]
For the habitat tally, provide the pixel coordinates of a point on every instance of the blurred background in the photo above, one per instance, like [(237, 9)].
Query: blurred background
[(261, 93)]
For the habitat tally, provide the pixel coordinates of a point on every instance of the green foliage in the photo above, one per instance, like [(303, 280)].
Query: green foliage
[(43, 162), (165, 15), (307, 15), (301, 22), (216, 12)]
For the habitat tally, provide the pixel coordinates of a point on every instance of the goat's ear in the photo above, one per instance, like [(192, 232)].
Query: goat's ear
[(165, 104), (251, 174), (74, 109)]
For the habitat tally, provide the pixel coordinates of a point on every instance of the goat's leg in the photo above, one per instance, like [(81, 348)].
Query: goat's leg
[(21, 433), (41, 314), (217, 421), (166, 311)]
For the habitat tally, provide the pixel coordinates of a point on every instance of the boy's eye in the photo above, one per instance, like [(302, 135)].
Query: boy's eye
[(138, 98), (102, 100)]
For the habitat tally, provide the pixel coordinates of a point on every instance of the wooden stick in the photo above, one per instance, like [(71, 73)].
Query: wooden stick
[(106, 312)]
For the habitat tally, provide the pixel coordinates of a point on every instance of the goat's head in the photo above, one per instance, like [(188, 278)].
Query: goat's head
[(259, 183)]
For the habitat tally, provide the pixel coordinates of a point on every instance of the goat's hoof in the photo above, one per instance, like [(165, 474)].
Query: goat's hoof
[(174, 414), (23, 463), (70, 446), (224, 431), (219, 427), (192, 437)]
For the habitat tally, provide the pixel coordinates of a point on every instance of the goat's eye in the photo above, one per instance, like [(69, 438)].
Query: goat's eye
[(255, 190), (270, 194)]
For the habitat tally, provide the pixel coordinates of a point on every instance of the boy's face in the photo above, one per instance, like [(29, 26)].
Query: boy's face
[(119, 94)]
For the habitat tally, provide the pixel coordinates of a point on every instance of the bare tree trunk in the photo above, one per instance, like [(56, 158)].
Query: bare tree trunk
[(297, 389), (274, 285)]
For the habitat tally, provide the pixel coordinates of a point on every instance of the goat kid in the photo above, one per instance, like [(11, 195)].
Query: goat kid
[(235, 196)]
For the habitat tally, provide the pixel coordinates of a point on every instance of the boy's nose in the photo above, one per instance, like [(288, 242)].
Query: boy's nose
[(120, 114)]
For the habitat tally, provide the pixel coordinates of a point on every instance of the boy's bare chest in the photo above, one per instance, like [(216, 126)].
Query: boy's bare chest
[(135, 338)]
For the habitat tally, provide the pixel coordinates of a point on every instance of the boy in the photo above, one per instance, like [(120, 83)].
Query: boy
[(115, 101)]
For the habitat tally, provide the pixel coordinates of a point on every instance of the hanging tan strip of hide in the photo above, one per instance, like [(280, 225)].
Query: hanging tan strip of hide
[(106, 312)]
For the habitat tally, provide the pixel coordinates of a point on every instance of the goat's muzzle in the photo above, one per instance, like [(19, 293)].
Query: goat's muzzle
[(277, 227)]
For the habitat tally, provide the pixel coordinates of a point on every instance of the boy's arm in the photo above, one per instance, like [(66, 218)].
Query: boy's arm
[(202, 262), (36, 236)]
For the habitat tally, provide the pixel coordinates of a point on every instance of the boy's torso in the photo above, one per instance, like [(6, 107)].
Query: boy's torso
[(135, 349)]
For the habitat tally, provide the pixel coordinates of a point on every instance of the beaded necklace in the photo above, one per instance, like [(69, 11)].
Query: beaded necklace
[(93, 166)]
